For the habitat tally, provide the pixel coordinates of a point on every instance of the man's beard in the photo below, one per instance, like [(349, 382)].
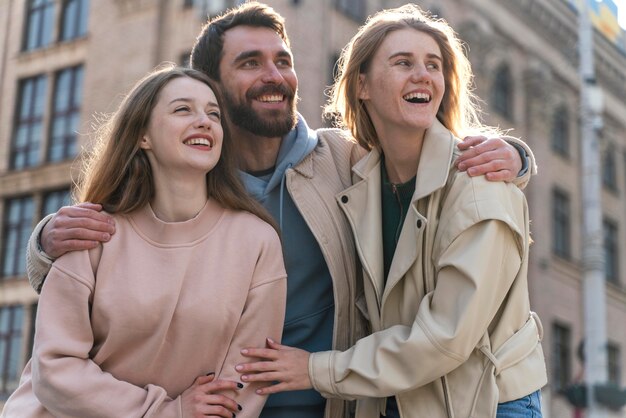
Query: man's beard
[(278, 124)]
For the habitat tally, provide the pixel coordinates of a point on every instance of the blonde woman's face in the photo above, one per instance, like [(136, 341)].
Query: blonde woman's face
[(404, 85), (184, 132)]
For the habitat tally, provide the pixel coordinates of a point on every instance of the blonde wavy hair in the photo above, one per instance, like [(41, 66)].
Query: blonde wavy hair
[(459, 110)]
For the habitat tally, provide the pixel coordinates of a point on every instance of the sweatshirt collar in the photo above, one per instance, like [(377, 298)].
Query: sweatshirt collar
[(173, 234)]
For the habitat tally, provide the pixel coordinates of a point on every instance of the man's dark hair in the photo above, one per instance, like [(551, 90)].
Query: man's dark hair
[(208, 50)]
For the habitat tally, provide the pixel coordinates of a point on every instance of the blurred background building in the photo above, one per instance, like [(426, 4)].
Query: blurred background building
[(64, 63)]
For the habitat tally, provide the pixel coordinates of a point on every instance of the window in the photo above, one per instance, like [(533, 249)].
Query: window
[(73, 19), (609, 169), (611, 251), (188, 3), (354, 9), (502, 92), (53, 201), (11, 318), (65, 114), (561, 224), (614, 363), (17, 225), (561, 356), (39, 24), (560, 131), (29, 122)]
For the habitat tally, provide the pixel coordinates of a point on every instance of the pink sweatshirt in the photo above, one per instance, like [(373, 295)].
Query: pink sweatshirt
[(169, 302)]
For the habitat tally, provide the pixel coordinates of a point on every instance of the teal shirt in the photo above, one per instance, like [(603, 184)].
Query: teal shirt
[(395, 202)]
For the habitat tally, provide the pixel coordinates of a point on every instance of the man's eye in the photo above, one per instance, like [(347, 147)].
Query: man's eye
[(250, 64)]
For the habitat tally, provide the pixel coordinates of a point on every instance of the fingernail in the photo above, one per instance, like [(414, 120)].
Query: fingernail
[(270, 340), (239, 406), (471, 171), (239, 367), (106, 237), (240, 385), (210, 373), (244, 377), (461, 166), (244, 351), (259, 392)]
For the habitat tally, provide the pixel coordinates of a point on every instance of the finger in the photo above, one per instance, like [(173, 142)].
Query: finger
[(220, 384), (487, 167), (502, 175), (224, 401), (270, 376), (215, 411), (269, 390), (73, 245), (471, 141), (88, 205), (274, 345), (256, 367), (263, 353), (81, 217), (201, 380)]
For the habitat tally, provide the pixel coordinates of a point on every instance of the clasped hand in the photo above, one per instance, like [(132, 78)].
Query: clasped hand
[(286, 368)]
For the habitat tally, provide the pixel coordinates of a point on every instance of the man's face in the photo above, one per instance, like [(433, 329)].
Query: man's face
[(259, 82)]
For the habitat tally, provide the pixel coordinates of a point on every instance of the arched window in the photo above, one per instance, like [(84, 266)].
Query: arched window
[(502, 92), (560, 131)]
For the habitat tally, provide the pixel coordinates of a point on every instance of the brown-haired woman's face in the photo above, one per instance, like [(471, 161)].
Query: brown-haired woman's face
[(404, 85), (184, 132)]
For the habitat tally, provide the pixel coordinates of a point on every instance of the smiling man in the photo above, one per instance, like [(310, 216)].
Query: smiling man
[(295, 173)]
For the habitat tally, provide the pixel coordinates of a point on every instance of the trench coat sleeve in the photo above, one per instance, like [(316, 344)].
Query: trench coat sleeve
[(450, 321), (263, 316), (37, 262), (522, 181), (65, 379)]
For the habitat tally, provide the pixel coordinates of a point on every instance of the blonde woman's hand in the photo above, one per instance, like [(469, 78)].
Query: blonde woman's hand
[(202, 398), (288, 366)]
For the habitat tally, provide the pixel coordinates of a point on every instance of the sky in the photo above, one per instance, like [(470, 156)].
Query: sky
[(621, 12)]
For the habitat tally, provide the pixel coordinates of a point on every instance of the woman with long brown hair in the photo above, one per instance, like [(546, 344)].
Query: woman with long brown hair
[(151, 322)]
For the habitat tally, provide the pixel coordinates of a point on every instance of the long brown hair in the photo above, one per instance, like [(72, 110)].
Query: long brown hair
[(459, 111), (117, 173)]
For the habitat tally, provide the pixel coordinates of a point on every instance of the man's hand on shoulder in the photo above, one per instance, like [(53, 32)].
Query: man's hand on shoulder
[(79, 227), (494, 157)]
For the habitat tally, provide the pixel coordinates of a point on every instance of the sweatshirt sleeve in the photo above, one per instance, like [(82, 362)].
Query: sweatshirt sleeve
[(450, 321), (523, 180), (65, 379), (263, 317), (38, 263)]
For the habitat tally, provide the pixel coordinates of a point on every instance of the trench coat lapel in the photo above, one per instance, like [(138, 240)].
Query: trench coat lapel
[(362, 206), (432, 174)]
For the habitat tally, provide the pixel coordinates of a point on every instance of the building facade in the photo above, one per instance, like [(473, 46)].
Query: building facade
[(66, 63)]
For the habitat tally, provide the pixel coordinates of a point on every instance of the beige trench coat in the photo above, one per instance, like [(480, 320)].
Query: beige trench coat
[(454, 334)]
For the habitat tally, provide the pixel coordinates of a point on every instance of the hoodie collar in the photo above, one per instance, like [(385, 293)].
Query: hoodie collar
[(294, 147)]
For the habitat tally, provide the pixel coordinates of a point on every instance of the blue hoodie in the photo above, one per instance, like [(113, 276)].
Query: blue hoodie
[(310, 310)]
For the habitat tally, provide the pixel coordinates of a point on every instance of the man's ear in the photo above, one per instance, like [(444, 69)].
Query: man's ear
[(144, 142), (362, 88)]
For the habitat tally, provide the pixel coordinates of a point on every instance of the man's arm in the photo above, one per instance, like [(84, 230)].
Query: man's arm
[(499, 159), (80, 227)]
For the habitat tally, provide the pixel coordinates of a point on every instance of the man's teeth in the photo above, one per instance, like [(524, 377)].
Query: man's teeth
[(198, 141), (417, 97), (271, 98)]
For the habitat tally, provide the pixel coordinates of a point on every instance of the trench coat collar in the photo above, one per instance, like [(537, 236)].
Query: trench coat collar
[(435, 159), (432, 174)]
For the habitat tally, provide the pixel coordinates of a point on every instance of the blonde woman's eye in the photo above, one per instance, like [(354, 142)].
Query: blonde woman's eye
[(181, 109)]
